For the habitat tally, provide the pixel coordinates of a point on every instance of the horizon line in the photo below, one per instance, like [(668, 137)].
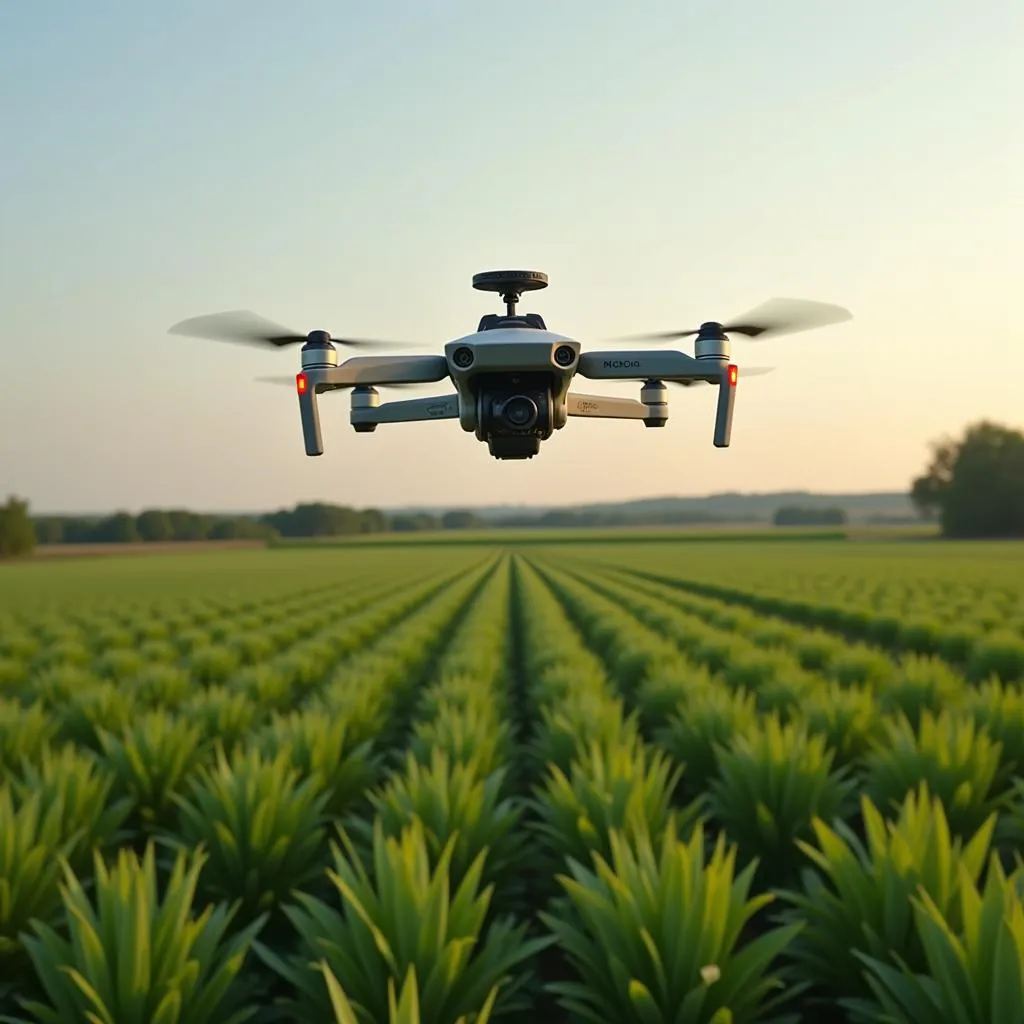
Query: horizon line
[(479, 507)]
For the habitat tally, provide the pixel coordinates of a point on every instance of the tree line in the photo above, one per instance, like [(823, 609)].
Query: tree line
[(21, 532), (313, 519)]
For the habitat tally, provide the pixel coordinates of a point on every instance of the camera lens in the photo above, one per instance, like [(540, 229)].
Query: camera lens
[(521, 412), (463, 357), (564, 355)]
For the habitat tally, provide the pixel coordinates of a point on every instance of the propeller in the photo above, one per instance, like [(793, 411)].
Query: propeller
[(248, 328), (771, 319), (744, 371)]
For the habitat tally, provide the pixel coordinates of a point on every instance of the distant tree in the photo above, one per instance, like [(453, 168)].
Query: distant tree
[(976, 486), (119, 528), (154, 525), (561, 517), (372, 520), (49, 530), (241, 528), (79, 529), (319, 519), (459, 520), (928, 492), (413, 522), (799, 515), (17, 531), (189, 525)]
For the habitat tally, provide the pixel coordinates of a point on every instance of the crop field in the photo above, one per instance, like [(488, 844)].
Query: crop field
[(623, 783)]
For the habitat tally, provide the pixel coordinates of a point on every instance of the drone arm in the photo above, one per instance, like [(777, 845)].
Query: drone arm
[(654, 365), (372, 370), (604, 407), (443, 407), (671, 366), (365, 370)]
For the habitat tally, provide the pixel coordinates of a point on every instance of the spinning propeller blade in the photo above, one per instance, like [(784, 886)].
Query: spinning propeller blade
[(248, 328), (771, 319)]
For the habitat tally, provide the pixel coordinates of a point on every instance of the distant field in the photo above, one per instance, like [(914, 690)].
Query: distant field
[(619, 535), (623, 534), (142, 548), (723, 531), (533, 705)]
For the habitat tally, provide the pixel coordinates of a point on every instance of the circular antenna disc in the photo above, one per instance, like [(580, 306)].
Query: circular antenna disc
[(503, 281)]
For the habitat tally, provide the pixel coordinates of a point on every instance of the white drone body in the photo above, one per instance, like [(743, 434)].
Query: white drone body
[(512, 376)]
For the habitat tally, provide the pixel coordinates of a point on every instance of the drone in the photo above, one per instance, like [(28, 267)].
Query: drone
[(512, 376)]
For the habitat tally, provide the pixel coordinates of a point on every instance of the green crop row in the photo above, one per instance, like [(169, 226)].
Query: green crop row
[(479, 787), (257, 815), (954, 744), (772, 788), (785, 664), (891, 599)]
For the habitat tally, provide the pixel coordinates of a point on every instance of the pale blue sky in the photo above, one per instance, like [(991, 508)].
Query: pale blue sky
[(350, 166)]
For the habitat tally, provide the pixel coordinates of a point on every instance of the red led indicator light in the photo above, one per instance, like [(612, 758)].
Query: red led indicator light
[(300, 383), (733, 373)]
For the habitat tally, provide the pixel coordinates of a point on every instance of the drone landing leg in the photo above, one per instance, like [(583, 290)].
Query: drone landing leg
[(310, 414)]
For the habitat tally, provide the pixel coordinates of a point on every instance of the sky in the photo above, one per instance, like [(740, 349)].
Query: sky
[(349, 167)]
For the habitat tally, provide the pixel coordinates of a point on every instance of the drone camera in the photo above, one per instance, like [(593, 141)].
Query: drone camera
[(514, 413), (515, 379)]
